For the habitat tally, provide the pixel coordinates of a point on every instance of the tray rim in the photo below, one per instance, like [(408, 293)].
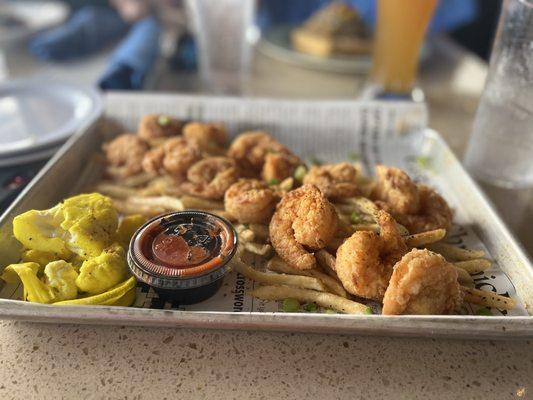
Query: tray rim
[(510, 326)]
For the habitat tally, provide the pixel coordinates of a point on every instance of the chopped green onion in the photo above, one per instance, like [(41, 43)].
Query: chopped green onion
[(423, 162), (299, 173), (163, 120), (315, 161), (355, 217), (273, 182), (310, 307), (484, 311), (369, 311), (354, 156), (291, 305)]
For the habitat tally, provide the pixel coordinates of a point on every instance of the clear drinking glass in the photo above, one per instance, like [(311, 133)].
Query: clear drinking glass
[(223, 29), (500, 151)]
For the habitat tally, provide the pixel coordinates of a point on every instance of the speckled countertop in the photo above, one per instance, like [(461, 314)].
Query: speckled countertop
[(40, 361)]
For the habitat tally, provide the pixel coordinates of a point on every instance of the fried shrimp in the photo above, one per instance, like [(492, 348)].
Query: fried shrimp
[(211, 177), (336, 181), (304, 219), (395, 190), (210, 138), (279, 166), (153, 161), (249, 149), (250, 201), (417, 207), (125, 154), (157, 126), (180, 155), (422, 283), (365, 260)]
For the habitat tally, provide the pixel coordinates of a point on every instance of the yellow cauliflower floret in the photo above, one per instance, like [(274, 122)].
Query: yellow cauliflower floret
[(61, 276), (40, 257), (100, 273), (84, 225), (91, 221), (127, 227), (35, 290), (41, 230)]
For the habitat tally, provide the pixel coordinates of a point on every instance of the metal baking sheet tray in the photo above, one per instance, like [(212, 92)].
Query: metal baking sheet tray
[(377, 132)]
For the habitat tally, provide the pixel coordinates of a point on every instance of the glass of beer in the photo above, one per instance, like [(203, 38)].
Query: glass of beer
[(401, 26)]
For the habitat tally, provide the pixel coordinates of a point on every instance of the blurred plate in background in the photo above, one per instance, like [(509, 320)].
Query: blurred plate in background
[(19, 18), (36, 116)]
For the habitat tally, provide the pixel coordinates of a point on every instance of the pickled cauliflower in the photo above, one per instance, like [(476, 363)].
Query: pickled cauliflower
[(82, 225), (57, 284), (100, 273), (127, 227)]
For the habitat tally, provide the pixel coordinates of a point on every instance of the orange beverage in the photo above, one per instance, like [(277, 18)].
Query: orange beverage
[(401, 25)]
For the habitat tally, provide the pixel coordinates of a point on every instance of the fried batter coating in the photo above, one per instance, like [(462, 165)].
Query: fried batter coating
[(211, 177), (422, 283), (250, 201), (157, 126), (249, 149), (125, 154), (365, 260), (417, 207), (210, 138), (180, 155), (336, 181), (153, 161), (279, 166), (304, 219)]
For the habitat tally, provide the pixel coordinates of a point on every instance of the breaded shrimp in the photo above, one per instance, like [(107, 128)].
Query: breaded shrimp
[(180, 155), (153, 161), (433, 213), (250, 201), (125, 154), (422, 283), (396, 189), (279, 166), (365, 260), (336, 181), (211, 177), (304, 219), (210, 138), (157, 126), (417, 207), (250, 148)]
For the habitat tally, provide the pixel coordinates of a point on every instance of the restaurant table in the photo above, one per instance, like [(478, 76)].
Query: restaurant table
[(42, 361)]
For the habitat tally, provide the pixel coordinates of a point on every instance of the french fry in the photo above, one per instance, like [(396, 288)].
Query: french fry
[(425, 238), (191, 202), (488, 299), (331, 283), (464, 277), (306, 282), (114, 190), (260, 231), (325, 259), (456, 253), (245, 234), (326, 300), (165, 202), (127, 208), (137, 180), (259, 249), (278, 265), (366, 227), (474, 266)]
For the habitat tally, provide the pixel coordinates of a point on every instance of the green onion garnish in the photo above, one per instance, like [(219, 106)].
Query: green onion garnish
[(163, 120), (273, 182), (355, 218), (369, 311), (291, 305), (310, 307), (423, 162), (299, 173)]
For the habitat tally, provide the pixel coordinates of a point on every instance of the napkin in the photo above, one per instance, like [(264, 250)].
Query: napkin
[(134, 57), (88, 30)]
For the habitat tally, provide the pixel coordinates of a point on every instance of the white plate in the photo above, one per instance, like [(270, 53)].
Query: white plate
[(276, 43), (35, 114), (33, 17)]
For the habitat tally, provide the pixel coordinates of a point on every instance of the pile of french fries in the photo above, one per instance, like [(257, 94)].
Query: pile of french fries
[(149, 196)]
